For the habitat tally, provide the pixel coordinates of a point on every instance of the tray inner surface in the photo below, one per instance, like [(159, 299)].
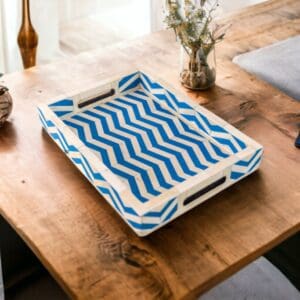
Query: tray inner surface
[(144, 142)]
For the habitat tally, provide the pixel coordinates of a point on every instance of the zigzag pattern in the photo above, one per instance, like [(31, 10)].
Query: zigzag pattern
[(62, 107), (244, 167), (150, 139), (56, 134), (129, 82), (155, 218), (229, 141), (148, 221), (142, 142)]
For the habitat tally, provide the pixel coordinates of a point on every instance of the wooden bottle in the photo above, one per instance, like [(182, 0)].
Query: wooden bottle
[(27, 38)]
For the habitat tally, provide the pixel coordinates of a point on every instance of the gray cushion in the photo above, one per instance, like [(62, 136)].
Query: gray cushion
[(278, 64), (258, 281)]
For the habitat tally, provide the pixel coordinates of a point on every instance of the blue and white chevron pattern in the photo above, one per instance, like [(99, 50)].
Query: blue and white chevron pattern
[(152, 141), (54, 132), (141, 142), (147, 222), (221, 135), (62, 107), (246, 166), (157, 217)]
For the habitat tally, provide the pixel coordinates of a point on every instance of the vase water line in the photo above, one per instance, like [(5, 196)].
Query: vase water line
[(27, 37), (198, 68)]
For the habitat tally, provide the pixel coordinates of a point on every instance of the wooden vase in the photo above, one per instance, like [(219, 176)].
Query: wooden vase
[(27, 37)]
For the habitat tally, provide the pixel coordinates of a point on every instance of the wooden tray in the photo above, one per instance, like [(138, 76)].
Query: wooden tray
[(152, 153)]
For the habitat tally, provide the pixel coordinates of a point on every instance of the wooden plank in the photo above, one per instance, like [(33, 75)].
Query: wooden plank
[(78, 236)]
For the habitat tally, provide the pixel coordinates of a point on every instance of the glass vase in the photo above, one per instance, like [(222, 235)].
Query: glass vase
[(198, 68)]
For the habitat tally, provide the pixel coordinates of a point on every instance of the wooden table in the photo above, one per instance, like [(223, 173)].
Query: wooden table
[(79, 237)]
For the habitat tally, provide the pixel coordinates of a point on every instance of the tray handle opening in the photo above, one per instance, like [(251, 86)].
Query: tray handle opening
[(205, 190), (95, 99)]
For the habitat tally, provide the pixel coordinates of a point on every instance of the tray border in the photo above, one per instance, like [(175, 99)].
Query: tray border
[(154, 210)]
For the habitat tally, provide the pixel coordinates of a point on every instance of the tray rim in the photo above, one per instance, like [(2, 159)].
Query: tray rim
[(180, 189), (114, 79)]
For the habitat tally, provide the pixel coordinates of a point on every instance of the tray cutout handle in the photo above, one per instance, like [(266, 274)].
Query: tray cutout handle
[(205, 190), (95, 99)]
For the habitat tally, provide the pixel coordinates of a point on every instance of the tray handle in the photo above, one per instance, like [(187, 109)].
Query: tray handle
[(97, 98), (205, 190)]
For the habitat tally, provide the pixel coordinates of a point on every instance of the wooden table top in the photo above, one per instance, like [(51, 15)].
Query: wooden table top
[(81, 240)]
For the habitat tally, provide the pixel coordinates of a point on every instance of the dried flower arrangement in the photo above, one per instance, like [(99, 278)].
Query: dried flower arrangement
[(192, 22)]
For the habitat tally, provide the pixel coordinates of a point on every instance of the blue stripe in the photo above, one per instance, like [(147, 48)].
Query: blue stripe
[(194, 120), (153, 85), (60, 142), (130, 147), (160, 213), (105, 158), (142, 226), (165, 160), (255, 164), (87, 169), (172, 212), (163, 134), (78, 161), (106, 191), (125, 79), (255, 158), (48, 123), (227, 142), (62, 113), (164, 98), (171, 125), (240, 142), (245, 163), (147, 226), (236, 175), (64, 102), (117, 150), (43, 121)]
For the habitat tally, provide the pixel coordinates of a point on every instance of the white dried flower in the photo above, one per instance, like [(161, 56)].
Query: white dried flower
[(192, 23)]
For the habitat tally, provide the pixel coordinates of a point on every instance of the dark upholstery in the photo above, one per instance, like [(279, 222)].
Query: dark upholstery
[(1, 282), (24, 276), (286, 257), (18, 261), (38, 287)]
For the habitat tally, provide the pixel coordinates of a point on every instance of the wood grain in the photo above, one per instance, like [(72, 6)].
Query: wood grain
[(79, 237)]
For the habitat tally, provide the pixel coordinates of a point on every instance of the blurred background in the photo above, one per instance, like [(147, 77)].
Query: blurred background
[(69, 27)]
